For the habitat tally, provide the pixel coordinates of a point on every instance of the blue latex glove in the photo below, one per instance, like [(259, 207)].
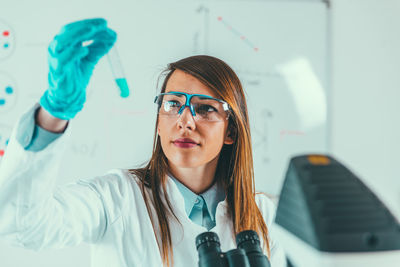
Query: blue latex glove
[(71, 65)]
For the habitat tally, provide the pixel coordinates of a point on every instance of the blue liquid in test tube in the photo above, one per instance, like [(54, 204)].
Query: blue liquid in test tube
[(117, 71)]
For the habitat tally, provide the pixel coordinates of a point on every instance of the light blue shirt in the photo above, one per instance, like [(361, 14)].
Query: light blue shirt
[(200, 209)]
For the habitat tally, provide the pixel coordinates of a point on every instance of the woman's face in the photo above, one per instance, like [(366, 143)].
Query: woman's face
[(208, 137)]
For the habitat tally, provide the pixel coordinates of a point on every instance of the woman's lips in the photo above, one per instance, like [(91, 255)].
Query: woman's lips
[(185, 143)]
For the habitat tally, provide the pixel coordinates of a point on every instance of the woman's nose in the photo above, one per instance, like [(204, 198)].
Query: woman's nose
[(186, 120)]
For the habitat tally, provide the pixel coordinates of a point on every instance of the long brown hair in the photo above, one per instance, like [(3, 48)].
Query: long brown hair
[(235, 165)]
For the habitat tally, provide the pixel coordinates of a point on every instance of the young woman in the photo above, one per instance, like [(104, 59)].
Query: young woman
[(200, 175)]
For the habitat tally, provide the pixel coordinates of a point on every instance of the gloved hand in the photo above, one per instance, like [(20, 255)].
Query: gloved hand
[(71, 65)]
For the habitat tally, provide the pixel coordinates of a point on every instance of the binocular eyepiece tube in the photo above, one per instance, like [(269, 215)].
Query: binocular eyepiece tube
[(247, 254)]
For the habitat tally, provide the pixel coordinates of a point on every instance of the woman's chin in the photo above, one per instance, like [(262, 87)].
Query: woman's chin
[(186, 162)]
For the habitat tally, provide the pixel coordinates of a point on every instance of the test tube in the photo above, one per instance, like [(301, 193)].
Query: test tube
[(117, 71)]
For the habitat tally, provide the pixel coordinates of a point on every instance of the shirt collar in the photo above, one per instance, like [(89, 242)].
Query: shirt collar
[(188, 196), (212, 197)]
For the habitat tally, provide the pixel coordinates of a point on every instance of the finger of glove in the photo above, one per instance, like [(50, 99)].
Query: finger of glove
[(76, 33), (102, 43), (63, 61)]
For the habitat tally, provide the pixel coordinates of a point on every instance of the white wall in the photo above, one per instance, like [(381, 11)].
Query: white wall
[(283, 78), (366, 92)]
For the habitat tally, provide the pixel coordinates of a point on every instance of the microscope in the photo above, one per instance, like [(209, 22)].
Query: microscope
[(326, 216), (247, 254)]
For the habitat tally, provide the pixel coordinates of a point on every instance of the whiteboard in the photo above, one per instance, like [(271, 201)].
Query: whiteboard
[(278, 49)]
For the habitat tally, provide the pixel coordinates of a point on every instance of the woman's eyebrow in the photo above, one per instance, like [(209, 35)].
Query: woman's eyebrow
[(205, 97), (176, 92)]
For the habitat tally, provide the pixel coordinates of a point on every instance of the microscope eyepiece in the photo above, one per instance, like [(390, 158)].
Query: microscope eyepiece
[(248, 251)]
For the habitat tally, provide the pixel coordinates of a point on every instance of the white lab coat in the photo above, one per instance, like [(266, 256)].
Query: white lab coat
[(107, 211)]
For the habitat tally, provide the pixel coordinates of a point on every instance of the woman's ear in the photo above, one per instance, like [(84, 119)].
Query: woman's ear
[(230, 136)]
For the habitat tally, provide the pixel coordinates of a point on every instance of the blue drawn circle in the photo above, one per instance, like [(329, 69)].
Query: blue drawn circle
[(9, 90), (6, 45), (2, 101)]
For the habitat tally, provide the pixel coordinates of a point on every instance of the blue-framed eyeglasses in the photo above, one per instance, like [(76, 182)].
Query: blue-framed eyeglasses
[(202, 107)]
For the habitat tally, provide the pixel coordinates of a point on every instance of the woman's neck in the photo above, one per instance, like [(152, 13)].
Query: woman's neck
[(197, 179)]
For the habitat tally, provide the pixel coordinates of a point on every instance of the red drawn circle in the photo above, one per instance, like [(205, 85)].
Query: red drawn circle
[(1, 152), (6, 33)]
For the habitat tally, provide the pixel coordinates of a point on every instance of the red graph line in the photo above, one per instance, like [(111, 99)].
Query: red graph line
[(237, 33)]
